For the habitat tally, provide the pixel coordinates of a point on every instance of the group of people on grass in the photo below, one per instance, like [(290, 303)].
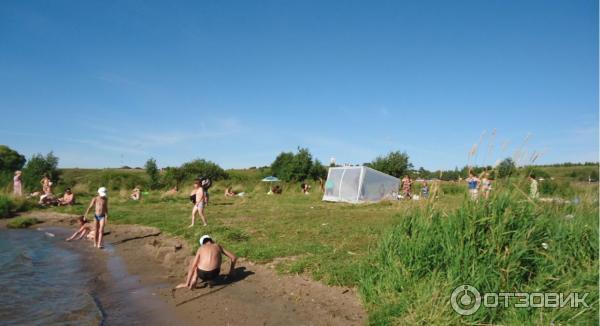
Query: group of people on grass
[(46, 195), (474, 184)]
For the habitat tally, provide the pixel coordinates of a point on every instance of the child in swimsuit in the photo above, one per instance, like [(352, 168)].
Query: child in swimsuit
[(100, 203), (84, 229)]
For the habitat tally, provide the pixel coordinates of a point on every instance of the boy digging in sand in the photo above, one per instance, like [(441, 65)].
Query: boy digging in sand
[(100, 215), (207, 263)]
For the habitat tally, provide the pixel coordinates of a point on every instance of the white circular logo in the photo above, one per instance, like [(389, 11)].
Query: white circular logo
[(465, 300)]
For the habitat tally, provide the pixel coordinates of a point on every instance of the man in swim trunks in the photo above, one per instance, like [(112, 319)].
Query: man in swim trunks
[(100, 216), (207, 263)]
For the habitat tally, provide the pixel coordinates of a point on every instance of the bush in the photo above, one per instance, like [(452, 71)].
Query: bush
[(10, 160), (9, 206), (22, 222), (36, 167), (153, 175), (395, 164), (6, 206), (173, 176), (551, 187), (292, 167), (506, 168), (203, 168)]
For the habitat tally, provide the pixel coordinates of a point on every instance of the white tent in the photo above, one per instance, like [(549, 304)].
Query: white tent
[(357, 184)]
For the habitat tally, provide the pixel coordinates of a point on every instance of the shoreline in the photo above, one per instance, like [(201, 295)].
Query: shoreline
[(152, 263)]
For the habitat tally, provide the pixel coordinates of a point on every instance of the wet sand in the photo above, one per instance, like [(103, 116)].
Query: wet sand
[(140, 266)]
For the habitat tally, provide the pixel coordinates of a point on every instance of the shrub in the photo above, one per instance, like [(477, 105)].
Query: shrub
[(153, 175), (22, 222), (173, 176), (6, 206), (10, 160), (203, 168), (506, 168), (36, 167), (296, 167), (395, 164)]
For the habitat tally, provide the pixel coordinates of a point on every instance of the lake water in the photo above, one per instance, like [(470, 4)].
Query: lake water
[(43, 282), (47, 281)]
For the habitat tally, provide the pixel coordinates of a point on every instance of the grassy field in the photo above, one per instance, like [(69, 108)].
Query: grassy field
[(404, 257)]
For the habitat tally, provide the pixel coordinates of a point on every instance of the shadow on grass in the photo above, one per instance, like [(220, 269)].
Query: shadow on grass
[(220, 282)]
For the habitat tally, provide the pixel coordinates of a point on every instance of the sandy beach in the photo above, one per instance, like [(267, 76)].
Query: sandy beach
[(140, 266)]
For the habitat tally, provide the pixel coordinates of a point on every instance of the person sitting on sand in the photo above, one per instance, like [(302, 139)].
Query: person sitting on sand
[(84, 229), (136, 194), (207, 263), (100, 203), (229, 192), (68, 198)]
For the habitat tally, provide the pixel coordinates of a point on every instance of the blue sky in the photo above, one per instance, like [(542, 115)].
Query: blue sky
[(111, 83)]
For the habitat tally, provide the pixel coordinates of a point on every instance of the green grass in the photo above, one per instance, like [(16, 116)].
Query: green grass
[(496, 247), (10, 205), (21, 222), (405, 257)]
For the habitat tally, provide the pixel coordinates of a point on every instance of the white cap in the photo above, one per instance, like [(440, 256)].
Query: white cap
[(204, 237), (102, 191)]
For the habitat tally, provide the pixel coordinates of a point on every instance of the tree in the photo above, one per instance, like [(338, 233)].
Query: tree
[(296, 167), (203, 168), (173, 175), (395, 164), (318, 170), (506, 168), (10, 160), (37, 166), (153, 174)]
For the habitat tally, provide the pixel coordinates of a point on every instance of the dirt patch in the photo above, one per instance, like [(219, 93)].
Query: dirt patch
[(255, 295)]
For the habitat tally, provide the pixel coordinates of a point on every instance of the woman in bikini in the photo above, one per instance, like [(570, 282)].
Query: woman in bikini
[(197, 196)]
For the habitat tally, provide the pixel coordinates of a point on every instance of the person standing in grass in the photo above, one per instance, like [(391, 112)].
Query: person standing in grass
[(425, 190), (17, 184), (100, 203), (486, 185), (473, 183), (406, 187), (198, 198), (533, 187)]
